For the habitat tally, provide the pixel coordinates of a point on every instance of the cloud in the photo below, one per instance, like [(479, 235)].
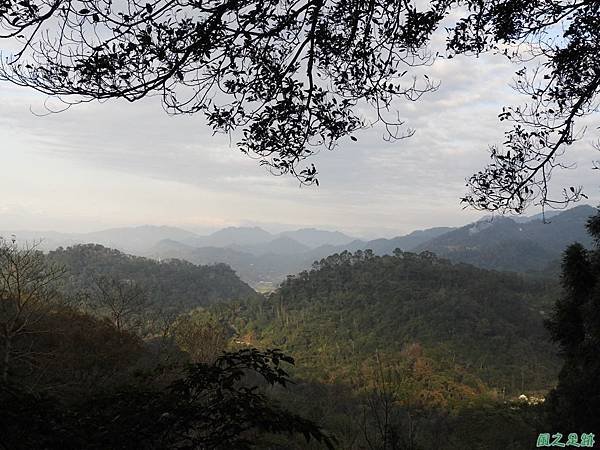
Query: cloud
[(128, 163)]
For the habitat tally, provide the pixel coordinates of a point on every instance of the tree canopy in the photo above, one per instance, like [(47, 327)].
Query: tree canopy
[(171, 285), (471, 323), (76, 381), (557, 43), (575, 326), (291, 77)]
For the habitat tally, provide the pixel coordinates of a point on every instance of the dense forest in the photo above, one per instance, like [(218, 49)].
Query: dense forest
[(351, 307), (440, 348), (405, 351), (171, 285), (483, 337), (110, 377)]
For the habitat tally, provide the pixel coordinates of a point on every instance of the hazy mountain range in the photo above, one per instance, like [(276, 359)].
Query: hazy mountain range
[(261, 258), (504, 244)]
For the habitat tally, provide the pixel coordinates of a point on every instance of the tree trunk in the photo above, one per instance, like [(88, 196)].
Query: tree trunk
[(6, 358)]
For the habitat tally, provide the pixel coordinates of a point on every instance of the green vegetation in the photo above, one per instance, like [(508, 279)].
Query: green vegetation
[(410, 350), (75, 381), (457, 321), (171, 285), (402, 351), (575, 326)]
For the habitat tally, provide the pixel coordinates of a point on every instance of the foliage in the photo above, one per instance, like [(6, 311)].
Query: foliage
[(559, 41), (289, 77), (373, 419), (574, 404), (210, 407), (76, 353), (47, 344), (89, 382), (200, 335), (121, 300), (448, 332), (28, 292), (171, 285)]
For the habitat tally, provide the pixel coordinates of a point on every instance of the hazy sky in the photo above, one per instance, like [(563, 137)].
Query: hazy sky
[(114, 164)]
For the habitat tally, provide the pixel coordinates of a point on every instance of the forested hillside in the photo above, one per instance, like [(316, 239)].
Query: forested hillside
[(439, 351), (504, 244), (171, 285), (71, 380), (272, 261), (159, 293), (474, 329)]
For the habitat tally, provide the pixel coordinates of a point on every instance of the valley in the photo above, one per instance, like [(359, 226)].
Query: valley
[(450, 333)]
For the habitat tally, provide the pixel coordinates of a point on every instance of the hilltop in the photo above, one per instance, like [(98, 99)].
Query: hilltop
[(501, 243), (171, 285), (264, 259), (473, 330)]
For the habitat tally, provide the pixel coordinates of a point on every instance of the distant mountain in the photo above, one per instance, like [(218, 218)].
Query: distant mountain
[(135, 240), (503, 244), (243, 238), (326, 250), (384, 246), (259, 257), (232, 236), (172, 285), (280, 246), (273, 261), (313, 238), (169, 249), (406, 243), (253, 269), (541, 216)]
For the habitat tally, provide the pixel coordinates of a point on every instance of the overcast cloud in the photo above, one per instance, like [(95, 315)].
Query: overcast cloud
[(113, 164)]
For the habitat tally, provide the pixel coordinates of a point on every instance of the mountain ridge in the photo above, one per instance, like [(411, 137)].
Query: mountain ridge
[(503, 244), (263, 258)]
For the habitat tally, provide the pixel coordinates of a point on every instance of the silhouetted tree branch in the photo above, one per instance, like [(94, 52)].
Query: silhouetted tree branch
[(288, 75), (122, 300), (561, 40), (28, 292)]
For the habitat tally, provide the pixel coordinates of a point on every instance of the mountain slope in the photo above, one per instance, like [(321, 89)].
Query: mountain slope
[(135, 239), (468, 321), (406, 243), (282, 245), (173, 285), (253, 269), (503, 244), (382, 246), (274, 260), (312, 237), (232, 235)]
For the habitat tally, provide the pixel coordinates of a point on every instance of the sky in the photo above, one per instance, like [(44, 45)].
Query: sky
[(101, 165)]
